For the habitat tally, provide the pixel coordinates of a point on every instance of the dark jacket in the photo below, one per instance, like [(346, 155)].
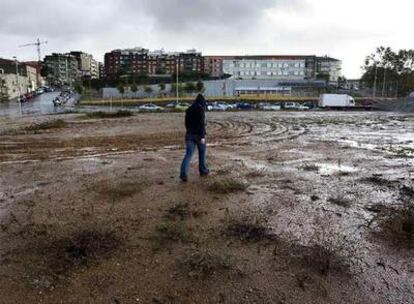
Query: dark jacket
[(195, 117)]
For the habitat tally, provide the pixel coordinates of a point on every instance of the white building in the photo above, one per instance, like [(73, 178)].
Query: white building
[(278, 69), (12, 85), (282, 67)]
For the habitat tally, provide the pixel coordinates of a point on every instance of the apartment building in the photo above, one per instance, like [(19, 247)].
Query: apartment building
[(101, 69), (87, 65), (61, 69), (213, 65), (142, 61)]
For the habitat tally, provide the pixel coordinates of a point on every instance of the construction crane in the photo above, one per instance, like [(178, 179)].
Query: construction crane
[(38, 43)]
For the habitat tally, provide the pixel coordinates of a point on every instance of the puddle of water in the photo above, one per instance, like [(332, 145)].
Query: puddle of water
[(328, 169)]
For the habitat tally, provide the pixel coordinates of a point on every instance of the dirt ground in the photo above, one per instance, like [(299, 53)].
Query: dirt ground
[(300, 208)]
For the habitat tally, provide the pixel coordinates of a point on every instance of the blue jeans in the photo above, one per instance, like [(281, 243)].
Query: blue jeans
[(191, 141)]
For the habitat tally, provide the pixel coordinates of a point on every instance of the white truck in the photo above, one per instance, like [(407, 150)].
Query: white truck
[(336, 101)]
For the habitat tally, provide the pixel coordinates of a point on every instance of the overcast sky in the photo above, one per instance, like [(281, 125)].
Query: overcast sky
[(347, 30)]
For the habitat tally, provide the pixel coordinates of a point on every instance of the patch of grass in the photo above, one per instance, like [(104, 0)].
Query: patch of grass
[(46, 125), (376, 208), (204, 265), (170, 231), (377, 180), (223, 171), (101, 114), (228, 185), (397, 225), (323, 260), (340, 201), (116, 190), (61, 256), (180, 211), (256, 174), (249, 232), (310, 167)]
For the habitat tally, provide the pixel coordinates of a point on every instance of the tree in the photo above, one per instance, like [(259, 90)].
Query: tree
[(174, 89), (189, 87), (134, 88), (389, 72), (148, 90), (200, 86), (79, 88), (162, 86), (121, 89)]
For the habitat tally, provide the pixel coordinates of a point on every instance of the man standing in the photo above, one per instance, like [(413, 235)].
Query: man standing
[(195, 123)]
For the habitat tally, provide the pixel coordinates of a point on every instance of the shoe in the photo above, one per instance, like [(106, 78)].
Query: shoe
[(183, 179), (205, 174)]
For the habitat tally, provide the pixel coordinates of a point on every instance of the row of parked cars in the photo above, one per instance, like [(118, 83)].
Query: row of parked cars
[(223, 106), (30, 95)]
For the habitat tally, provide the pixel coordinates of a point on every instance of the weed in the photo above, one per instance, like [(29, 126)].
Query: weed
[(180, 211), (46, 125), (115, 190), (204, 264), (328, 251), (101, 114), (256, 173), (223, 171), (169, 231), (226, 186), (311, 167), (314, 198), (398, 225), (340, 201), (323, 259), (376, 180), (61, 256), (249, 232)]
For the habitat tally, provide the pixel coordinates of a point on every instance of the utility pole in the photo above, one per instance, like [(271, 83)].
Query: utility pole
[(176, 74), (374, 91), (2, 87), (18, 85)]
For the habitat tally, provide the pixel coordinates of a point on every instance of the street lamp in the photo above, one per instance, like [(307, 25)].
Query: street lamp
[(18, 85)]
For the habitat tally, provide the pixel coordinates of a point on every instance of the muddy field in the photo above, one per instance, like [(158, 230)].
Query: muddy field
[(310, 207)]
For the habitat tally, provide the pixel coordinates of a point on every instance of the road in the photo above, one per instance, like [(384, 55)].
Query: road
[(40, 105)]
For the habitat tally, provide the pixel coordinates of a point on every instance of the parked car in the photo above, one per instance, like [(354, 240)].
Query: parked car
[(40, 91), (266, 106), (302, 107), (290, 105), (180, 106), (150, 107), (232, 106), (244, 106), (218, 106)]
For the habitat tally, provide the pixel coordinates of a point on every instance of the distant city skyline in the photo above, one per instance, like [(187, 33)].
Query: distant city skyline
[(345, 30)]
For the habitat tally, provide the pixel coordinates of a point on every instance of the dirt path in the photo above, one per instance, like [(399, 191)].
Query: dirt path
[(300, 208)]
